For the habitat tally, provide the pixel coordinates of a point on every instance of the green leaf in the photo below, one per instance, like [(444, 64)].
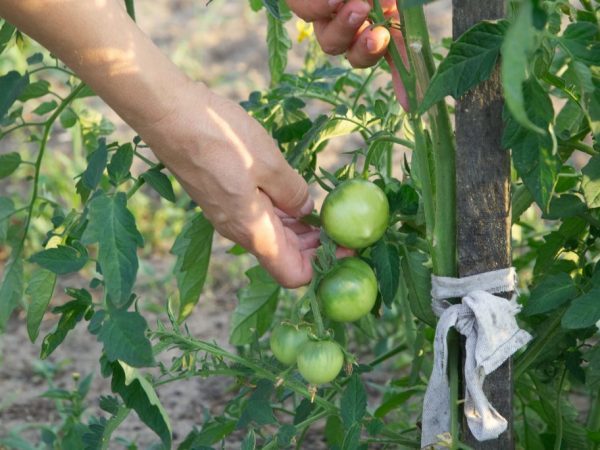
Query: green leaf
[(9, 162), (123, 334), (584, 311), (534, 154), (249, 442), (572, 228), (470, 60), (258, 408), (45, 108), (274, 8), (40, 290), (418, 280), (387, 267), (405, 200), (7, 207), (11, 287), (352, 437), (71, 313), (120, 164), (138, 394), (278, 44), (62, 259), (12, 86), (6, 33), (36, 58), (292, 131), (569, 120), (580, 41), (590, 184), (68, 118), (212, 432), (323, 128), (517, 50), (257, 304), (394, 401), (334, 431), (193, 248), (160, 183), (303, 410), (354, 402), (35, 90), (552, 292), (96, 165), (256, 5), (285, 435), (567, 205), (112, 226)]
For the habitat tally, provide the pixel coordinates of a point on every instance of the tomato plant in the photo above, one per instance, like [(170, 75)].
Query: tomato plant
[(355, 214), (391, 197), (348, 291)]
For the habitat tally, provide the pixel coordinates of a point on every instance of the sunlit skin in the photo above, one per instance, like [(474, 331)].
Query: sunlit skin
[(223, 158)]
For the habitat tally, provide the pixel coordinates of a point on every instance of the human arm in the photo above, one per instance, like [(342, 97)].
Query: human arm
[(223, 158)]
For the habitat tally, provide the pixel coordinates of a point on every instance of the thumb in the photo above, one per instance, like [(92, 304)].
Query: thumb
[(287, 189)]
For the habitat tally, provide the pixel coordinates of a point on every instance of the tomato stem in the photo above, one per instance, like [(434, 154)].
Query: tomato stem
[(314, 306)]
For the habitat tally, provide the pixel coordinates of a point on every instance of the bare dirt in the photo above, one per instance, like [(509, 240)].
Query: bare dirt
[(222, 44)]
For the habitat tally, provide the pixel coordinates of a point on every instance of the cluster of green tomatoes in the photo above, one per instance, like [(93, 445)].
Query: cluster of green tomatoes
[(354, 215)]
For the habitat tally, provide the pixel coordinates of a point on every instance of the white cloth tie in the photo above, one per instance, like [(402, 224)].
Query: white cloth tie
[(492, 336)]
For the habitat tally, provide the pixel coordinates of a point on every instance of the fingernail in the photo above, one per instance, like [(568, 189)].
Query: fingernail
[(334, 3), (356, 19), (372, 45)]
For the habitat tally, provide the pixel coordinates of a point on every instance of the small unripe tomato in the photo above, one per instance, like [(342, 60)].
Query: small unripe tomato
[(348, 291), (286, 341), (320, 362), (355, 214)]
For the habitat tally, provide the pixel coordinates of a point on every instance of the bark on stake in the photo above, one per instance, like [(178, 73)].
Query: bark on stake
[(483, 198)]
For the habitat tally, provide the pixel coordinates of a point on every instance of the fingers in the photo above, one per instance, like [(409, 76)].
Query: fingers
[(370, 46), (311, 10), (285, 255), (336, 35), (285, 187)]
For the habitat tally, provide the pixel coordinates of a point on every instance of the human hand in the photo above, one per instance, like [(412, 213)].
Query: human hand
[(233, 169), (342, 27)]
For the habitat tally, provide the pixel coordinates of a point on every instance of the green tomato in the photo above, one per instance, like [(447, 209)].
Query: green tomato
[(348, 292), (286, 341), (320, 362), (355, 214)]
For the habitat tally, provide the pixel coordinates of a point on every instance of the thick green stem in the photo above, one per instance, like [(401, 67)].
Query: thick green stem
[(314, 306), (444, 187)]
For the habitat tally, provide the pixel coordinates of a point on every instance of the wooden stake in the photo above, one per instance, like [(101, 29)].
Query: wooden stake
[(483, 198)]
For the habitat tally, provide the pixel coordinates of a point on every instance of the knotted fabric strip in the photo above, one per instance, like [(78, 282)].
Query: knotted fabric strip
[(492, 336)]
